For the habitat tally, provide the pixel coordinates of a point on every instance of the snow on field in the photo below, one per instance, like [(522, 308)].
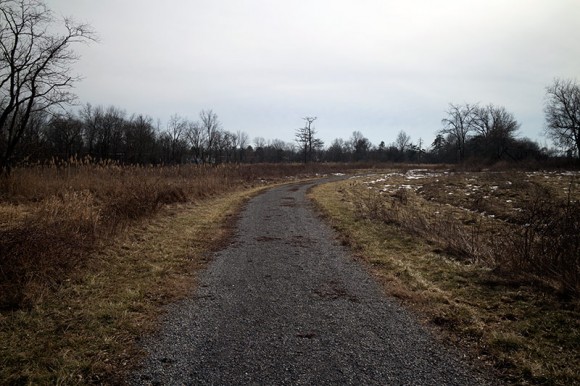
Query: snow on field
[(416, 174), (410, 175), (471, 185)]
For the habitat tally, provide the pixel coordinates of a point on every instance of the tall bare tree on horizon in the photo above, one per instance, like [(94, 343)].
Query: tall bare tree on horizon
[(458, 125), (306, 138)]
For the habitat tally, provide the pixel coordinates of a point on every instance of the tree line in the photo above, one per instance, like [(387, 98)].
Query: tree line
[(109, 133), (469, 132), (36, 57)]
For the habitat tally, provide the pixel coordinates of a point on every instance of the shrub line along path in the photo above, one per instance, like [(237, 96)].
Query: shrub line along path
[(285, 303)]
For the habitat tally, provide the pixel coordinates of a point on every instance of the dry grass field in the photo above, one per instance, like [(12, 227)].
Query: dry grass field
[(489, 259), (90, 252)]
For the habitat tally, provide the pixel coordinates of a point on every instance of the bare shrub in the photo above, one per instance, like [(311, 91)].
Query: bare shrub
[(464, 241), (548, 242), (540, 239)]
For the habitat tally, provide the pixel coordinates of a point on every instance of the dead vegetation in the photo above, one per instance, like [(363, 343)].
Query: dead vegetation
[(55, 216), (518, 223), (490, 259), (89, 252)]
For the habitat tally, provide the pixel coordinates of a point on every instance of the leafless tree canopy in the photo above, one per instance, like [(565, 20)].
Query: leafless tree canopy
[(35, 65), (210, 126), (403, 141), (306, 139), (360, 145), (458, 124), (490, 128), (563, 114)]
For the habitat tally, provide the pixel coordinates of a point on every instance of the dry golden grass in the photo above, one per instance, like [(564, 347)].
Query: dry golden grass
[(422, 250), (84, 332), (515, 222), (89, 253), (54, 217)]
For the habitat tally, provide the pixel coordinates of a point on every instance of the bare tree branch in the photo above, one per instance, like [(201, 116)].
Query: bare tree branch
[(458, 124), (35, 66), (562, 111), (306, 138)]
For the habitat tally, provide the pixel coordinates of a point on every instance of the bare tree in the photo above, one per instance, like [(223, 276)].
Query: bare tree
[(562, 111), (230, 143), (337, 151), (113, 129), (195, 140), (103, 130), (210, 125), (35, 66), (176, 129), (64, 135), (458, 124), (403, 141), (495, 128), (91, 117), (140, 140), (259, 142), (243, 139), (360, 145), (306, 139)]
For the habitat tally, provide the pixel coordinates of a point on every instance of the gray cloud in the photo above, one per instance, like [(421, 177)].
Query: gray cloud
[(373, 66)]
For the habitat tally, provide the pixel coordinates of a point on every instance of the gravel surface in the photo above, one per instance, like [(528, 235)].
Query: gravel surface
[(286, 304)]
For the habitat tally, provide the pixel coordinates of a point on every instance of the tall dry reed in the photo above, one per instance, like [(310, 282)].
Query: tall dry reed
[(68, 208)]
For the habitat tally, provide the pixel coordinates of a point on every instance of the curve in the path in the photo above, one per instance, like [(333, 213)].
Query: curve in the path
[(286, 304)]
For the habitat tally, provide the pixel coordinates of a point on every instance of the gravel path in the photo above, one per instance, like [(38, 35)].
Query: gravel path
[(286, 304)]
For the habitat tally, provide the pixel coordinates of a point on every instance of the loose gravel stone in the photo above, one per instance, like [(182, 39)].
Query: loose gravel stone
[(286, 304)]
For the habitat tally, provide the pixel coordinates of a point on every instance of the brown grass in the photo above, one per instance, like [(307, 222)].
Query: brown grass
[(84, 331), (513, 222), (58, 215), (89, 253), (442, 256)]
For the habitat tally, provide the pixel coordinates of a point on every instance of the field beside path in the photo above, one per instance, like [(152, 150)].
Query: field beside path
[(489, 260), (285, 303), (89, 254)]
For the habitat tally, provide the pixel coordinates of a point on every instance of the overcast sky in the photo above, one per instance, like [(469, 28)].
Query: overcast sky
[(376, 66)]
